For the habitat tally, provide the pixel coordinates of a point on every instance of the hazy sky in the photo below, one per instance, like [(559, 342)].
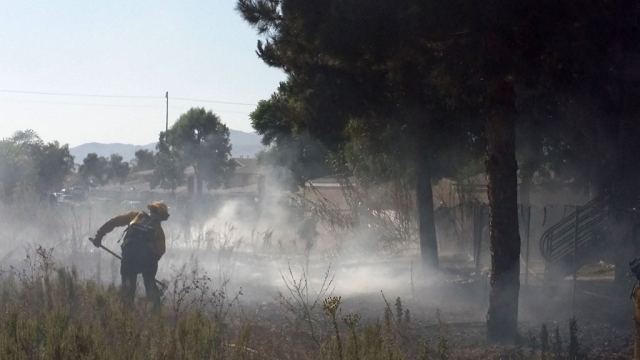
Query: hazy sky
[(193, 49)]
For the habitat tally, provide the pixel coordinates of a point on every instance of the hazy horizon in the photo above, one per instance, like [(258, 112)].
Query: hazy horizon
[(133, 53), (144, 144)]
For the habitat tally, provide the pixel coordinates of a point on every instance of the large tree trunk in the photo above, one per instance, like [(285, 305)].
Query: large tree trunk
[(625, 194), (426, 222), (502, 317)]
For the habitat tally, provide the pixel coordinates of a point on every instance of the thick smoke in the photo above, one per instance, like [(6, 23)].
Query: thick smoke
[(253, 243)]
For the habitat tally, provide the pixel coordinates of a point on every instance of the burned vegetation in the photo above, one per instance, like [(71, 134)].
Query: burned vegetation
[(440, 180)]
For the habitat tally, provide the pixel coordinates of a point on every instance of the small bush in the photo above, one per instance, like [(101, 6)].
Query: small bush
[(50, 312)]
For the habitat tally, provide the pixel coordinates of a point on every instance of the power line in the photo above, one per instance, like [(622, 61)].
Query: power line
[(213, 110), (114, 105), (122, 96), (81, 95), (81, 104), (216, 102)]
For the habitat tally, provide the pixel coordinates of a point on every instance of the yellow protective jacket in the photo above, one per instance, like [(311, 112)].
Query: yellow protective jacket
[(159, 246)]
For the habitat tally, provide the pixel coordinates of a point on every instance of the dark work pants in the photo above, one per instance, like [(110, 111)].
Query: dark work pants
[(138, 258)]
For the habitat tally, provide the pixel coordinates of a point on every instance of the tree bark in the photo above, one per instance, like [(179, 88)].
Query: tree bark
[(625, 196), (502, 316), (426, 222)]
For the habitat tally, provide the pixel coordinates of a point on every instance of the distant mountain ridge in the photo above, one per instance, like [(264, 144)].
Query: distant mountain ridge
[(243, 144)]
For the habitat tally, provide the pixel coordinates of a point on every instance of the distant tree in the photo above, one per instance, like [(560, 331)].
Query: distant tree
[(144, 160), (169, 169), (289, 145), (95, 166), (118, 169), (54, 163), (26, 159), (201, 140), (15, 166), (27, 140)]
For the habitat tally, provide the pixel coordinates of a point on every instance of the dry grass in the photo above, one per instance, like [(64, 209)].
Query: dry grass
[(52, 312), (49, 312)]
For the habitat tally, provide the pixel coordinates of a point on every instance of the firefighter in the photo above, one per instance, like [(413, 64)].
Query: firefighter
[(143, 245)]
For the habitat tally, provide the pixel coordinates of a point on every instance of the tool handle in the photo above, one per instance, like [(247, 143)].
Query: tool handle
[(164, 287), (107, 250), (111, 252)]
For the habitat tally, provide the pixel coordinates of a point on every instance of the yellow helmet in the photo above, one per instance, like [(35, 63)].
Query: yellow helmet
[(159, 207)]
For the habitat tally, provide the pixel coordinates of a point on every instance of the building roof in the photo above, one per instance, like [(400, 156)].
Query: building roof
[(247, 166), (187, 171), (249, 189), (138, 184), (144, 172), (328, 181)]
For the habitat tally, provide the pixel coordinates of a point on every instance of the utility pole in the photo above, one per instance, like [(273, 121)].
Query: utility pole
[(167, 126)]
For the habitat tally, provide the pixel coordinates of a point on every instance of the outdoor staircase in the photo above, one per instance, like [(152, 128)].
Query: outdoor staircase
[(564, 252)]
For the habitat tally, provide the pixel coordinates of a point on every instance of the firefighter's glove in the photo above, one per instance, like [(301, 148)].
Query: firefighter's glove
[(97, 241)]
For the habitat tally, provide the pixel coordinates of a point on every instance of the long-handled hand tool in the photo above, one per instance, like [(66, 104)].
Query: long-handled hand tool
[(162, 285)]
